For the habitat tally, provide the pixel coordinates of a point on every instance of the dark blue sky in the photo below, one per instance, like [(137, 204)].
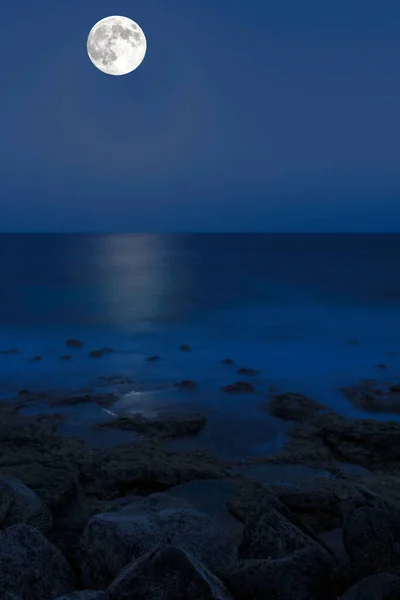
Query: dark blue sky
[(267, 115)]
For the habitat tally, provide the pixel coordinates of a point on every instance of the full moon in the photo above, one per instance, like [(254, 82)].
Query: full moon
[(116, 45)]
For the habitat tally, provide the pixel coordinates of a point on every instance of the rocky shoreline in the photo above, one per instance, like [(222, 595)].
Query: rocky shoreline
[(138, 520)]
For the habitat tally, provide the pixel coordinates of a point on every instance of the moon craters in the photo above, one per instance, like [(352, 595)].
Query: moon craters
[(116, 45)]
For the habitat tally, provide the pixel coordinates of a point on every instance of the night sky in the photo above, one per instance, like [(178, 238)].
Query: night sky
[(258, 115)]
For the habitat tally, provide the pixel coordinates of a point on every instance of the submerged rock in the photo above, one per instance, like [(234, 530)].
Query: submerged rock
[(153, 358), (104, 400), (19, 504), (163, 425), (111, 541), (116, 379), (185, 348), (99, 353), (36, 358), (11, 351), (367, 396), (73, 343), (227, 361), (240, 387), (31, 567), (186, 384), (66, 357), (294, 407), (167, 573), (248, 372)]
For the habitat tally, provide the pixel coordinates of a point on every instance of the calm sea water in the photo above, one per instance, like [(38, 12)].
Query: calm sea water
[(287, 304)]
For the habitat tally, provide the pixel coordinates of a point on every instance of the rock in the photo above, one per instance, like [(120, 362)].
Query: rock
[(45, 463), (240, 387), (10, 351), (167, 573), (381, 366), (31, 396), (367, 396), (66, 357), (318, 503), (371, 533), (99, 353), (293, 407), (307, 573), (19, 504), (186, 384), (111, 541), (104, 400), (395, 388), (31, 566), (185, 348), (153, 358), (248, 372), (152, 504), (86, 595), (136, 467), (116, 379), (36, 358), (256, 517), (268, 533), (72, 343), (227, 361), (328, 438), (384, 586), (163, 425)]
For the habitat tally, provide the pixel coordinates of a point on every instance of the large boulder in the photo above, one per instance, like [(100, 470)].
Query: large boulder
[(272, 531), (384, 586), (147, 466), (271, 536), (371, 533), (31, 567), (167, 573), (111, 541), (307, 573), (19, 504)]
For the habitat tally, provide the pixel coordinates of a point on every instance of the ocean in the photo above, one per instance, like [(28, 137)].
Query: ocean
[(312, 312)]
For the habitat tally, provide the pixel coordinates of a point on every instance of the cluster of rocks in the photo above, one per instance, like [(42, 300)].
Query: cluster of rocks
[(105, 524), (160, 547)]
